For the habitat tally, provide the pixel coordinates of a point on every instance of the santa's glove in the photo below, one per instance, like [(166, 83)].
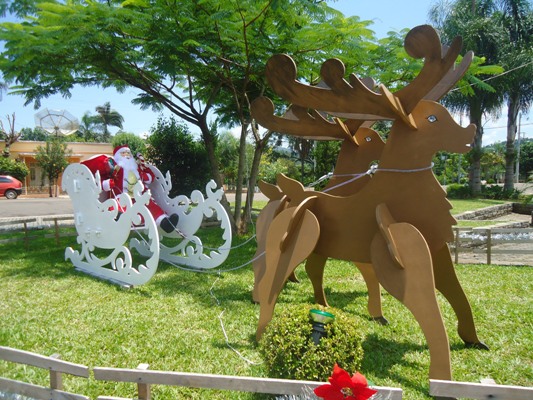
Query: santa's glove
[(108, 184)]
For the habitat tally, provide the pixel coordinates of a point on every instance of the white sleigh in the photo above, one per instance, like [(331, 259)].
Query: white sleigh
[(107, 238)]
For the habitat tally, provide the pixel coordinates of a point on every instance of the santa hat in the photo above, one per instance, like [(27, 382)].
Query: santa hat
[(120, 148)]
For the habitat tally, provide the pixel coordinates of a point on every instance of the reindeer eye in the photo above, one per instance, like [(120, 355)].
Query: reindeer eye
[(432, 118), (368, 139)]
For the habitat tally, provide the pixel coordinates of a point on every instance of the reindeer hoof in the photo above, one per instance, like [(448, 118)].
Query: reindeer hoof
[(477, 345), (381, 320)]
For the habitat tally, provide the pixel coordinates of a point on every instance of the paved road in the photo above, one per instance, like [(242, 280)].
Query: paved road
[(32, 207), (45, 206)]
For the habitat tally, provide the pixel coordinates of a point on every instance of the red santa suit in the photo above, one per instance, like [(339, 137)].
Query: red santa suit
[(120, 173)]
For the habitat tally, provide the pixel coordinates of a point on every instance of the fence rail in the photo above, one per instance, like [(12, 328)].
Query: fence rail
[(479, 390), (490, 241), (56, 367), (31, 224), (144, 378)]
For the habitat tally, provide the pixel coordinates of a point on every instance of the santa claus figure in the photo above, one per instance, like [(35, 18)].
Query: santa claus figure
[(121, 173)]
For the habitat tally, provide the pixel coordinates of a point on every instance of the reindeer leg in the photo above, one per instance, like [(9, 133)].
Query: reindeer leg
[(264, 220), (448, 284), (403, 265), (374, 292), (315, 270), (292, 236)]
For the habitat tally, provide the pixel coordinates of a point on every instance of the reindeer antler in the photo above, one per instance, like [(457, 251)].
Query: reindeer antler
[(339, 98), (354, 100), (424, 42), (297, 121)]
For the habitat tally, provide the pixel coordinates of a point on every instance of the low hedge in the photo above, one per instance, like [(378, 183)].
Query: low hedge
[(290, 353)]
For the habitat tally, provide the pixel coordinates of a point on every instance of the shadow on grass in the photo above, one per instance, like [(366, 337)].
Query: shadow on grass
[(383, 356)]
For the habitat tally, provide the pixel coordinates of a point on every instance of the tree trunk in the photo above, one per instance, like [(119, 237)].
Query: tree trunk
[(247, 214), (474, 174), (510, 148), (240, 174), (209, 144)]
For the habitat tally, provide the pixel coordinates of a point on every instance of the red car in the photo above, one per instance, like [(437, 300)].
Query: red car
[(10, 187)]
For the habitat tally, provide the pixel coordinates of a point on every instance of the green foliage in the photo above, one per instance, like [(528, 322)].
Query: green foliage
[(270, 167), (289, 350), (498, 193), (494, 192), (135, 143), (171, 147), (14, 168), (458, 191), (37, 134), (526, 159), (52, 158), (325, 155)]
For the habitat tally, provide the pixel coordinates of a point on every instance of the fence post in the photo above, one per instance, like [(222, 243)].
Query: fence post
[(143, 389), (57, 230), (456, 229), (56, 379), (26, 238), (489, 245)]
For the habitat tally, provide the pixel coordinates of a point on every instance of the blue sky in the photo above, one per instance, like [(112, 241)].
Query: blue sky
[(386, 15)]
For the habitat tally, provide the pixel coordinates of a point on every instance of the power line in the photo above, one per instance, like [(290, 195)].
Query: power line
[(493, 77)]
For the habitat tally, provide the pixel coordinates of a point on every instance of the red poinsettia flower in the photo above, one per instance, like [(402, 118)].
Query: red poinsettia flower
[(342, 387)]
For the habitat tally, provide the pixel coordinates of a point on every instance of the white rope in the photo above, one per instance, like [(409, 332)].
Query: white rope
[(377, 169), (230, 346), (355, 177)]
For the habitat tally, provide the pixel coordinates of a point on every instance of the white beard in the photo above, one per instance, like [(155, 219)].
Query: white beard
[(130, 167), (128, 164)]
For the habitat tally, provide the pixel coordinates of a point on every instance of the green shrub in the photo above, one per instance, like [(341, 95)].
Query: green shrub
[(290, 353), (496, 192), (458, 191)]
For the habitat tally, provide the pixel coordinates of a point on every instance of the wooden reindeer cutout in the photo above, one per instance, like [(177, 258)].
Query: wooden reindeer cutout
[(357, 153), (399, 222)]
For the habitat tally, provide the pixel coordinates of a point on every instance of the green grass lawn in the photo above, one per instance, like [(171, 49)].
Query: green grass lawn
[(173, 322)]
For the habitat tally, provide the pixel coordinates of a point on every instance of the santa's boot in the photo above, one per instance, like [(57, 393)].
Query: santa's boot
[(170, 224)]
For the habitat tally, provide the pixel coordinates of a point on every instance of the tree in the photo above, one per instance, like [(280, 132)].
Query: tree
[(36, 134), (516, 18), (325, 155), (171, 147), (107, 117), (9, 135), (3, 86), (53, 159), (227, 151), (88, 128), (526, 159), (190, 57), (15, 168), (490, 28), (134, 142)]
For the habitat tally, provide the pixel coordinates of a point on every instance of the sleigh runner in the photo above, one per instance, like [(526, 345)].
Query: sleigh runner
[(119, 238)]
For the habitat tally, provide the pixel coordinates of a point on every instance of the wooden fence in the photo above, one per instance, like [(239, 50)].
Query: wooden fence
[(491, 241), (28, 226), (145, 378), (479, 390), (56, 367)]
